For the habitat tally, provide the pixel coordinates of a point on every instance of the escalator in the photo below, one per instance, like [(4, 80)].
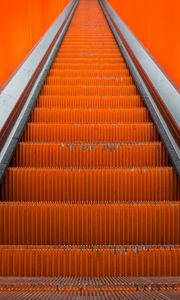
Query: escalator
[(90, 196)]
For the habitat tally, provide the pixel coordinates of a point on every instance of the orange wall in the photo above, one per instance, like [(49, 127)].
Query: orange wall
[(22, 24), (156, 23)]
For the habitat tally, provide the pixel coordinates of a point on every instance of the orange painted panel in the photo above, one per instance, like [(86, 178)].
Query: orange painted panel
[(14, 35), (156, 24), (22, 24)]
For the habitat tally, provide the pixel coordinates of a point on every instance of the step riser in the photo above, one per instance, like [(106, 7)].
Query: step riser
[(77, 262), (90, 186), (89, 90), (90, 225), (68, 133), (88, 81), (90, 102), (90, 156), (92, 116), (88, 60)]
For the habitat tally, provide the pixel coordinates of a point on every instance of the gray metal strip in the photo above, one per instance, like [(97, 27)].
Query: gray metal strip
[(17, 130), (165, 85)]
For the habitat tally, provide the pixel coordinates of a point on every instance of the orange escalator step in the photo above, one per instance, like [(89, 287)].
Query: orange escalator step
[(89, 261), (126, 80), (71, 90), (91, 186), (90, 155), (88, 60), (89, 101), (115, 66), (91, 133), (88, 73), (108, 116), (88, 54), (113, 224)]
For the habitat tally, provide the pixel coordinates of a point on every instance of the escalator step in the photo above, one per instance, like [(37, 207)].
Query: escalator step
[(111, 224), (123, 115), (89, 102), (91, 185), (90, 133), (90, 155), (89, 261)]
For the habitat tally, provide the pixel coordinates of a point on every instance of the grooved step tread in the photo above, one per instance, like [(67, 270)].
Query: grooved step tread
[(126, 288)]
